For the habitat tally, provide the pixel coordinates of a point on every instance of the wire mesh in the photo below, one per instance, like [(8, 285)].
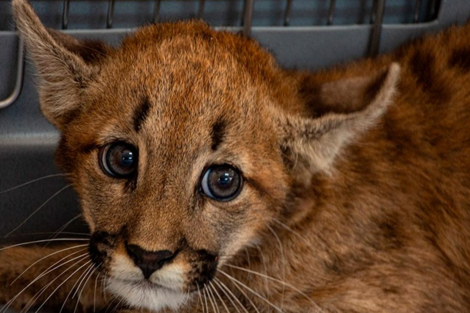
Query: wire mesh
[(378, 19), (420, 10), (65, 14), (109, 19), (88, 14)]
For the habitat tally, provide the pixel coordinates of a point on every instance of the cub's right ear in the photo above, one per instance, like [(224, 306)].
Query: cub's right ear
[(66, 66), (316, 143)]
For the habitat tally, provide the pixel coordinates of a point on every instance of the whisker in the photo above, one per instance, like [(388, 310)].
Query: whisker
[(210, 299), (47, 233), (39, 294), (209, 290), (112, 301), (265, 268), (221, 285), (37, 210), (218, 295), (84, 285), (200, 298), (51, 268), (43, 240), (234, 280), (94, 293), (89, 263), (43, 258), (103, 288), (61, 284), (39, 277), (33, 300), (109, 303), (44, 273), (275, 280), (248, 259), (32, 181), (205, 299), (283, 262), (244, 294), (117, 305), (85, 275), (63, 227), (292, 231)]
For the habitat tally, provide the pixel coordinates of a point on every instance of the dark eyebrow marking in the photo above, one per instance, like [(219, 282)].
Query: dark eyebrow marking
[(218, 133), (87, 149), (141, 114)]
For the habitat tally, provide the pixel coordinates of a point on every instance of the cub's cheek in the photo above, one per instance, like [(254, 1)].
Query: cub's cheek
[(246, 237)]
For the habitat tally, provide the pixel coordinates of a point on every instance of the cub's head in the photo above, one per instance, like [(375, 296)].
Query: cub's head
[(183, 145)]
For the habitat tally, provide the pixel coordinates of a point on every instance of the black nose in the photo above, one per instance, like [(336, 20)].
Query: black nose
[(149, 261)]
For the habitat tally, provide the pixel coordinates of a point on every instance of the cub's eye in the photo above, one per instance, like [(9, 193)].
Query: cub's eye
[(118, 159), (221, 182)]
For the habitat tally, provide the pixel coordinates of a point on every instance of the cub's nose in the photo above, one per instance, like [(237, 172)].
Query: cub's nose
[(149, 261)]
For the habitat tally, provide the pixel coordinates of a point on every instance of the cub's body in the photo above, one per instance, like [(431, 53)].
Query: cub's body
[(356, 193)]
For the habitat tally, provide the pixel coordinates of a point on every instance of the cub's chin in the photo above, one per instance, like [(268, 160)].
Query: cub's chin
[(146, 295)]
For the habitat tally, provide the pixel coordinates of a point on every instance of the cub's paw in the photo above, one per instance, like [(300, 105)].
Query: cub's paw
[(37, 276), (12, 263)]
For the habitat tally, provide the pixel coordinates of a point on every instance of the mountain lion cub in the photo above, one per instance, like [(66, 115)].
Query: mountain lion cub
[(214, 181)]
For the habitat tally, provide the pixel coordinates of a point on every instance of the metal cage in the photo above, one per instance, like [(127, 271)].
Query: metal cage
[(421, 11)]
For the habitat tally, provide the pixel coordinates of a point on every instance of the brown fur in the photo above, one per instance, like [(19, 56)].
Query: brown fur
[(356, 191)]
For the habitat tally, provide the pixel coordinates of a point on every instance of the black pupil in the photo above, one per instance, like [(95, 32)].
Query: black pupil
[(225, 179), (127, 158)]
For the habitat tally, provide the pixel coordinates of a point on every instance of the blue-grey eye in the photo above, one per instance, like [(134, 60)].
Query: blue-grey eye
[(119, 159), (221, 182)]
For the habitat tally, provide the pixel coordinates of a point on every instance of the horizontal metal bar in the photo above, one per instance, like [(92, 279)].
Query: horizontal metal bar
[(19, 77)]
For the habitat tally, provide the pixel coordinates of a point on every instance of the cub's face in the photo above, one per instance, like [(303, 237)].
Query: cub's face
[(175, 164), (183, 146)]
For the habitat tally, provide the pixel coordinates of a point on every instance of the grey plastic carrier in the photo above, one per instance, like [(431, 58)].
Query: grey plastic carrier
[(304, 34)]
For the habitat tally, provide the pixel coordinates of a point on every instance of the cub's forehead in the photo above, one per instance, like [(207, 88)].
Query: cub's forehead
[(182, 71), (180, 77), (174, 82), (189, 90), (181, 56), (185, 50)]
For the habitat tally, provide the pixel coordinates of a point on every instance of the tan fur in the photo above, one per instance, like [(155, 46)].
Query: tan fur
[(356, 179)]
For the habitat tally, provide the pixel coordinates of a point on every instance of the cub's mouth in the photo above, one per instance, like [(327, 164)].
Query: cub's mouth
[(146, 284), (145, 294), (151, 279)]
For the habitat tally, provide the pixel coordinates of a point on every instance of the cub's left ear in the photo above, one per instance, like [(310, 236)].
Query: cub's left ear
[(317, 142)]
